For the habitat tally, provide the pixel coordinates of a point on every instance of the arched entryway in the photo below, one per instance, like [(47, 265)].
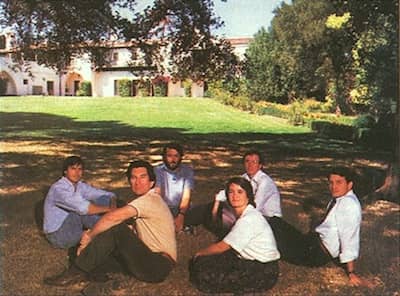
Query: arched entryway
[(72, 83), (7, 84)]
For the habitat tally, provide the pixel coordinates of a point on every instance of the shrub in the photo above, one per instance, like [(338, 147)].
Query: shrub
[(85, 89), (364, 121), (160, 90), (144, 88), (272, 109), (332, 130), (312, 105), (187, 85), (160, 85), (124, 87), (297, 113)]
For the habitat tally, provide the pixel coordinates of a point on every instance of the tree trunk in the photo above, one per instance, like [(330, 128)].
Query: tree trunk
[(390, 190)]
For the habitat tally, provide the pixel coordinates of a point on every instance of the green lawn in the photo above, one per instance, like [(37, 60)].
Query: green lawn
[(193, 115)]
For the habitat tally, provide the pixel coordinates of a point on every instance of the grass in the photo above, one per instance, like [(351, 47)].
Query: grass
[(39, 132), (197, 116)]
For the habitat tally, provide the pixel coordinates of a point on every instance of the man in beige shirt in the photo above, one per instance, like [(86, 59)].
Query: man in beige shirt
[(148, 252)]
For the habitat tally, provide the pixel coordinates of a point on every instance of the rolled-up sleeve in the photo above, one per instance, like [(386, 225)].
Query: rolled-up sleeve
[(189, 178), (90, 193)]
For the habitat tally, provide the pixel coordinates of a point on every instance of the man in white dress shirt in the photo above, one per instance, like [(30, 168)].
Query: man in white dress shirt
[(266, 194), (336, 238)]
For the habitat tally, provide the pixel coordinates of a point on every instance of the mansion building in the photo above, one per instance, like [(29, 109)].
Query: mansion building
[(123, 64)]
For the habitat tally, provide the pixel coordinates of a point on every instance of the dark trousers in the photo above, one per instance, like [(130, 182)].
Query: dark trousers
[(296, 247), (202, 215), (121, 243), (226, 273)]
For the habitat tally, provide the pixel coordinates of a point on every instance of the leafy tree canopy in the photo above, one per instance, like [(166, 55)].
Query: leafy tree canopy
[(52, 32)]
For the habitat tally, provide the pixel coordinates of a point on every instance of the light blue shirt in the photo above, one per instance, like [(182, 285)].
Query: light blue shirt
[(63, 197), (340, 231), (173, 183), (266, 194)]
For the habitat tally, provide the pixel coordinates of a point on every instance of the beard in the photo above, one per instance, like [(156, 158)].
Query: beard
[(172, 165)]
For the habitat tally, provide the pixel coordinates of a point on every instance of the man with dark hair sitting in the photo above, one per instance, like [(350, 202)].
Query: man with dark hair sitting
[(71, 205), (337, 237), (148, 252)]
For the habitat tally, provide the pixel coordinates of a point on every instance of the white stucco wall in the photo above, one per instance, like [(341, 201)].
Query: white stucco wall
[(104, 82), (197, 90), (175, 89), (81, 70), (36, 76)]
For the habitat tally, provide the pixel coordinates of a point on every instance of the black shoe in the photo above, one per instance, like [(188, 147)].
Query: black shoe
[(99, 277), (72, 255), (71, 276)]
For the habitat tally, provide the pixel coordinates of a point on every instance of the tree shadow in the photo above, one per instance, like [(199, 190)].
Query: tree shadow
[(35, 144)]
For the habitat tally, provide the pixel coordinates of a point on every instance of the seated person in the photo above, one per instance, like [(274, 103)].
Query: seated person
[(147, 251), (71, 206), (336, 238), (246, 259), (175, 183), (218, 216), (266, 194)]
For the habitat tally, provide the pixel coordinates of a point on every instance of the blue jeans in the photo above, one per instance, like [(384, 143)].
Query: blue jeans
[(70, 232)]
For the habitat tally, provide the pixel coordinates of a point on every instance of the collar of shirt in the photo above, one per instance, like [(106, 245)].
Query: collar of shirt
[(248, 208), (350, 192), (255, 177), (177, 170), (66, 180)]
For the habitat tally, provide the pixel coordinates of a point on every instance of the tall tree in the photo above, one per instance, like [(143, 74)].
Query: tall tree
[(264, 75), (52, 32), (295, 58), (300, 31), (374, 29)]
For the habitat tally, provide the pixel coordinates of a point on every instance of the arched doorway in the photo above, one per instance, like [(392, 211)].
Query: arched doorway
[(7, 84), (72, 83)]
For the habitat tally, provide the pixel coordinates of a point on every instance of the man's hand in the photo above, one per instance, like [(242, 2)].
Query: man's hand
[(179, 220), (85, 241), (358, 281)]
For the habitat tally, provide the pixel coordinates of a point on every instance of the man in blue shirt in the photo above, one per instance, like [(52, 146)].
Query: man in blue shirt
[(71, 206), (175, 182)]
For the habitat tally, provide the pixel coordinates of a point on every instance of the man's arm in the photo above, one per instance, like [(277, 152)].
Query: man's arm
[(106, 222), (183, 207), (266, 191), (96, 209), (348, 220)]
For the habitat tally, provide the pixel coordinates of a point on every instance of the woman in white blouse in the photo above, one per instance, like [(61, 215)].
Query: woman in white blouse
[(246, 259)]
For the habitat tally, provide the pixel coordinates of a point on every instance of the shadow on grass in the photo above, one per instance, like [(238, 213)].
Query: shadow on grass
[(38, 142), (35, 144)]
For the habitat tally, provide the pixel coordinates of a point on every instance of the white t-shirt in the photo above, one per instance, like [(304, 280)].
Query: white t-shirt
[(252, 237)]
